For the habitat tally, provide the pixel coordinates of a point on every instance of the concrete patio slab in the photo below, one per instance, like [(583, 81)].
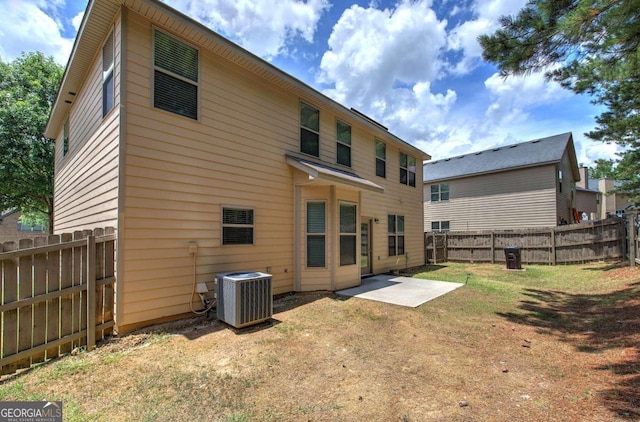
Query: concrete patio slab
[(404, 291)]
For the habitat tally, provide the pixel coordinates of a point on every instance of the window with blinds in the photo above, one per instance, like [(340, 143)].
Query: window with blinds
[(348, 231), (237, 226), (175, 81), (107, 75), (316, 234)]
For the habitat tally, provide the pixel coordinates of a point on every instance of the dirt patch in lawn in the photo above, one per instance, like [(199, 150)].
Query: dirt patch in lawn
[(475, 354)]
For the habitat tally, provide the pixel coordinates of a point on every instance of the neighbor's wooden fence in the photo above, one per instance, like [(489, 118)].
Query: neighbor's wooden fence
[(633, 232), (576, 243), (57, 294)]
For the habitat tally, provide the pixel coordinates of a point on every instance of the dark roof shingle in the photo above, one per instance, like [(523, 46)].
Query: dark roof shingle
[(527, 154)]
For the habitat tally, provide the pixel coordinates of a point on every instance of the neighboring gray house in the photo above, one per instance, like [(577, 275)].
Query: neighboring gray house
[(526, 185), (588, 198)]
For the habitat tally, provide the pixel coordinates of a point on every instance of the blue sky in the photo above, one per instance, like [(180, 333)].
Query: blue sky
[(413, 65)]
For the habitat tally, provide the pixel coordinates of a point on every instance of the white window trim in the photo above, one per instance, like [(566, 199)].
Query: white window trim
[(439, 185)]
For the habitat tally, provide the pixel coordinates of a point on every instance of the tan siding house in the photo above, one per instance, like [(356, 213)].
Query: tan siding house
[(11, 229), (516, 186), (178, 135)]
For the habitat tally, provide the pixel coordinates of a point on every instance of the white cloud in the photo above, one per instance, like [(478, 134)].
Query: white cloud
[(513, 96), (262, 27), (464, 37), (31, 26), (77, 20), (382, 62)]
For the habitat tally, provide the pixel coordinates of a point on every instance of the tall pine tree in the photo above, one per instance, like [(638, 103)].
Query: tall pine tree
[(588, 46)]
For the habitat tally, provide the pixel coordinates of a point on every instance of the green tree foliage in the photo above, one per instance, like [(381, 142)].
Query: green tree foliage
[(28, 88), (602, 168), (588, 46)]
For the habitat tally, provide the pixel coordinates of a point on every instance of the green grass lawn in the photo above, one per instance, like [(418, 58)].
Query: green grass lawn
[(326, 357)]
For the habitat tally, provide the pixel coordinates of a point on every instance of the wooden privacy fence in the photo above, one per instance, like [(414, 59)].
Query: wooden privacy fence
[(633, 232), (576, 243), (57, 294)]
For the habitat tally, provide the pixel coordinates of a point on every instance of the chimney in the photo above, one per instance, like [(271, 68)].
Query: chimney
[(584, 178)]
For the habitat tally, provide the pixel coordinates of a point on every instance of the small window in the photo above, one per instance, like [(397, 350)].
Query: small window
[(440, 192), (348, 224), (343, 135), (175, 85), (407, 170), (309, 130), (395, 230), (107, 75), (316, 234), (381, 159), (560, 180), (237, 226), (439, 226), (65, 138)]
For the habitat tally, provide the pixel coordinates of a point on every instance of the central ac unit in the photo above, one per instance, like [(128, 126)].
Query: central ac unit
[(244, 298)]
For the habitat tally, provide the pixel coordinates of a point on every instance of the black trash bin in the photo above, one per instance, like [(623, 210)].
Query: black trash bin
[(513, 258)]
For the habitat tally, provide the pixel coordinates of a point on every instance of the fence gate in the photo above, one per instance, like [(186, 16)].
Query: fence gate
[(435, 248), (57, 294)]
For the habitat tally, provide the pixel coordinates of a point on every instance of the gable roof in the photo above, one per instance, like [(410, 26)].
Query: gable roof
[(533, 153), (98, 21)]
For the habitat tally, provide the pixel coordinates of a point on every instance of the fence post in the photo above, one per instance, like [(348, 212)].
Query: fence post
[(435, 250), (91, 292), (632, 240), (493, 248), (553, 247)]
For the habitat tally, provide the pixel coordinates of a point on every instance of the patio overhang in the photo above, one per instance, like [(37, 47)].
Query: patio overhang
[(323, 174)]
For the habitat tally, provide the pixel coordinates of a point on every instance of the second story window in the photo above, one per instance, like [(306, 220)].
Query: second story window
[(381, 159), (440, 192), (407, 170), (343, 135), (175, 76), (107, 75), (309, 130), (65, 138), (560, 180)]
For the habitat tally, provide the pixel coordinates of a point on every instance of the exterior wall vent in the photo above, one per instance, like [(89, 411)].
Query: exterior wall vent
[(244, 298)]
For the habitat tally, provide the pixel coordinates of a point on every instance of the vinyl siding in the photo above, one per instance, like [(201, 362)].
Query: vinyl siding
[(180, 173), (86, 179), (565, 198), (507, 200)]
